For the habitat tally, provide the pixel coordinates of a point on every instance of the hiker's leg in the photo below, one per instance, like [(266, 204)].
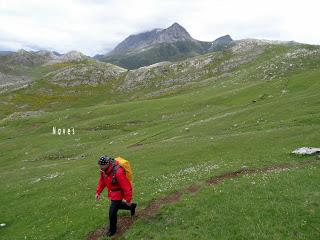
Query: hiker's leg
[(132, 208), (113, 210), (124, 205)]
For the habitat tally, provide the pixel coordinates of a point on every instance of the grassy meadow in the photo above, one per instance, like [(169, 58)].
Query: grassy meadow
[(48, 181)]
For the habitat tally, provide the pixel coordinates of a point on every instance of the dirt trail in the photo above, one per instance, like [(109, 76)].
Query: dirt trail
[(125, 222)]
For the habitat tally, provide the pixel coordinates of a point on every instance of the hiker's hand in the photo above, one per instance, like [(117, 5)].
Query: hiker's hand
[(97, 197), (128, 203)]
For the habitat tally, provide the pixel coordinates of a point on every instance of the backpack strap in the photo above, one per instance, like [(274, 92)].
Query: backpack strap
[(115, 168)]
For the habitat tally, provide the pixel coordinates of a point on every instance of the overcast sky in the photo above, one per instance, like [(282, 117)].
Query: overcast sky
[(97, 26)]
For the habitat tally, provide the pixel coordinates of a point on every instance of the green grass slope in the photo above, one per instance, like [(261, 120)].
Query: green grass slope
[(264, 206), (174, 140)]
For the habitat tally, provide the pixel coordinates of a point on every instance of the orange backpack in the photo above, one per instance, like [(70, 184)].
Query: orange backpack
[(125, 164)]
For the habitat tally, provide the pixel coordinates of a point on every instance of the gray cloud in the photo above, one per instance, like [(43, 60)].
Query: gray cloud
[(97, 26)]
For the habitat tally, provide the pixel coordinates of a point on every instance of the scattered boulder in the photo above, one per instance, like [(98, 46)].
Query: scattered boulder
[(306, 151)]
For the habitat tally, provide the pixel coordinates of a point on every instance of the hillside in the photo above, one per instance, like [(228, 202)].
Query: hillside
[(180, 124)]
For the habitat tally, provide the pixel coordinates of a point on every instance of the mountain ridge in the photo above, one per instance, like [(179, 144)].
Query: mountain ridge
[(169, 44), (145, 39)]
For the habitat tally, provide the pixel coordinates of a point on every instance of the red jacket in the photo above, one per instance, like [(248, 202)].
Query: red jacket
[(122, 189)]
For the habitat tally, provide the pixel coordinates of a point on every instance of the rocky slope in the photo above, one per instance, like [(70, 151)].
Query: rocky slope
[(211, 65), (13, 82), (89, 73), (247, 63), (245, 59), (16, 67)]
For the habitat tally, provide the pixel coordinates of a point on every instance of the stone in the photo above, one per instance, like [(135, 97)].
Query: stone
[(306, 151)]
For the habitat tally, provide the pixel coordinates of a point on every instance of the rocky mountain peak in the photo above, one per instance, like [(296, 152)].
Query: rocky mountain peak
[(46, 54), (176, 27), (22, 52), (223, 40), (73, 55), (221, 43), (147, 39), (174, 33)]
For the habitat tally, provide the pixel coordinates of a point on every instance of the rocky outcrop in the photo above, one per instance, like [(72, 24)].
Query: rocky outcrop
[(12, 82), (306, 151), (92, 73)]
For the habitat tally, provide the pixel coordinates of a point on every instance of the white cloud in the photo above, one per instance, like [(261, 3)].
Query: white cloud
[(97, 26)]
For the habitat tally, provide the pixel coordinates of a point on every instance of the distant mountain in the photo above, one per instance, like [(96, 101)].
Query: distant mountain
[(6, 53), (69, 56), (57, 53), (139, 42), (17, 68), (221, 43), (170, 44), (35, 58)]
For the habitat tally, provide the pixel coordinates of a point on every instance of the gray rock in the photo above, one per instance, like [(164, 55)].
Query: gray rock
[(306, 151)]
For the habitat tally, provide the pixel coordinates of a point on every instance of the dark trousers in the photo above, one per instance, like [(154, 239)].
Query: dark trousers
[(113, 210)]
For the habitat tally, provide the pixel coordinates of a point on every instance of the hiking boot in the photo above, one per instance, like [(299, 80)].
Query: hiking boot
[(109, 234), (133, 208)]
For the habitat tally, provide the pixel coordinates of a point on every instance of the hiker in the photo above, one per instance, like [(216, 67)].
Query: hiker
[(113, 176)]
